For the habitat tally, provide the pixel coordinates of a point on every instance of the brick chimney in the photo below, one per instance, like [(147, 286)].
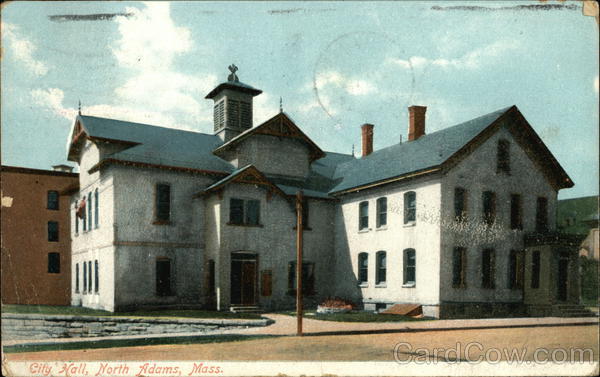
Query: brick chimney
[(416, 122), (367, 139)]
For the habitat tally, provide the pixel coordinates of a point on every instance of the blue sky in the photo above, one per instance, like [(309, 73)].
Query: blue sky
[(335, 64)]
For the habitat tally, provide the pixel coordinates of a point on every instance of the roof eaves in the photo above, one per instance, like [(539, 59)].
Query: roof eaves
[(414, 174), (108, 161)]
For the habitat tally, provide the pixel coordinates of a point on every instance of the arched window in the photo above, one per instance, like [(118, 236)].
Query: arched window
[(410, 267), (410, 207), (503, 156), (381, 212), (380, 272), (363, 215), (363, 268), (96, 209)]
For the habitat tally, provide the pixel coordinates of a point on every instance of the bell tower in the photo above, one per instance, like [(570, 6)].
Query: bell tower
[(232, 111)]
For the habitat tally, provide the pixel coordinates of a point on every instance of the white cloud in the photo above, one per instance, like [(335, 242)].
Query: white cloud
[(359, 87), (264, 108), (23, 49), (52, 100), (471, 60), (596, 84)]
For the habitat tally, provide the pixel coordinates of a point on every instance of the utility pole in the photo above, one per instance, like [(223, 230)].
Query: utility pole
[(299, 232)]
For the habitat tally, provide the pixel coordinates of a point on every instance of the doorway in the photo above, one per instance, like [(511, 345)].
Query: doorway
[(243, 278), (563, 275)]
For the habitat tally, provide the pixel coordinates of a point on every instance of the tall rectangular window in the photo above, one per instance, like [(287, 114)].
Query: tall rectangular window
[(89, 211), (380, 267), (52, 231), (308, 278), (515, 269), (89, 263), (76, 217), (460, 204), (489, 207), (363, 268), (83, 266), (488, 261), (305, 213), (410, 207), (96, 277), (516, 212), (82, 211), (52, 200), (363, 215), (53, 263), (381, 212), (541, 216), (244, 212), (76, 277), (163, 202), (266, 283), (96, 209), (459, 267), (535, 269), (503, 156), (410, 267), (163, 277)]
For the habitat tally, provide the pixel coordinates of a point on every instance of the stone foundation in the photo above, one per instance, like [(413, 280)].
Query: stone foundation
[(37, 326)]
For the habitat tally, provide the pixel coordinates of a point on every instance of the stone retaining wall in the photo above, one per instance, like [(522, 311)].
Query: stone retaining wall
[(39, 326)]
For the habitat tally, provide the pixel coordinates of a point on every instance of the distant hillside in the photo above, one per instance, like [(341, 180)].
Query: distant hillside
[(576, 216)]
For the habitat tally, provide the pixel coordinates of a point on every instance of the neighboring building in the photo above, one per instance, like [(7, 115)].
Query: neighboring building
[(580, 216), (460, 221), (36, 239)]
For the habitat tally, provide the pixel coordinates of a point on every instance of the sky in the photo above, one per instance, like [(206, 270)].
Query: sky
[(335, 65)]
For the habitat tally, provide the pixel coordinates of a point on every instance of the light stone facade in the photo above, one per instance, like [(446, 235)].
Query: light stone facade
[(219, 261)]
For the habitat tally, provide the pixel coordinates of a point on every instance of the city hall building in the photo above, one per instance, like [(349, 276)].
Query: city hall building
[(459, 221)]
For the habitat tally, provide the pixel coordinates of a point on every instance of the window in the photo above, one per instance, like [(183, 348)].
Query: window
[(515, 270), (410, 207), (305, 213), (363, 215), (89, 211), (96, 209), (83, 214), (459, 270), (541, 215), (89, 263), (52, 200), (308, 278), (96, 278), (381, 212), (76, 219), (52, 231), (219, 114), (53, 263), (210, 281), (363, 268), (244, 212), (84, 277), (488, 261), (266, 283), (163, 277), (460, 204), (535, 269), (380, 271), (489, 207), (516, 216), (76, 277), (163, 203), (503, 157), (410, 267)]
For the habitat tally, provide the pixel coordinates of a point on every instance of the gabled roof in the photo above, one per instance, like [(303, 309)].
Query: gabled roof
[(440, 150), (249, 174), (281, 125), (151, 145)]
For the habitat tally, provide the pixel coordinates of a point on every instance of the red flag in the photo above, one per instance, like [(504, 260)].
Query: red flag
[(81, 209)]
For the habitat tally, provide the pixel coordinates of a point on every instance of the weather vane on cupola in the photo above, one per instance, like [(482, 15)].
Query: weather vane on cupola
[(233, 77)]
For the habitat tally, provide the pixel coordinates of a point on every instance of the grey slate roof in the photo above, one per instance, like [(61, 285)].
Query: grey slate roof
[(428, 151), (159, 145)]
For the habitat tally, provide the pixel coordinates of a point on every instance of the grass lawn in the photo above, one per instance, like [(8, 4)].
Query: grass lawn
[(77, 310), (137, 342), (358, 316)]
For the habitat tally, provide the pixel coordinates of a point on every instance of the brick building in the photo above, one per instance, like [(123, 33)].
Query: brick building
[(36, 242)]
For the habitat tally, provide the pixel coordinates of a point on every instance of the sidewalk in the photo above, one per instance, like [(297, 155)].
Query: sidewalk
[(286, 326)]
